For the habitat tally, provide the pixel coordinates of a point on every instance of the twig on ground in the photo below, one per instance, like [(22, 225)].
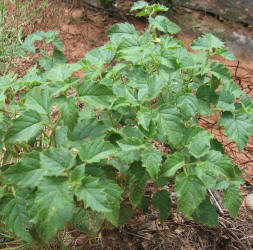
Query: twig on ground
[(233, 235), (216, 202), (237, 66), (136, 235)]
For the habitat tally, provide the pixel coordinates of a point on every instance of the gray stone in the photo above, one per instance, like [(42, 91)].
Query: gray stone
[(235, 10)]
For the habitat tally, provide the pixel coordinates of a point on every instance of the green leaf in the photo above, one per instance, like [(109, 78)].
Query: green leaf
[(215, 83), (50, 36), (62, 71), (125, 214), (27, 172), (87, 128), (232, 200), (206, 214), (113, 195), (190, 192), (125, 101), (247, 103), (132, 132), (207, 42), (139, 5), (14, 215), (207, 94), (170, 123), (26, 126), (56, 160), (137, 76), (30, 39), (148, 10), (200, 144), (58, 57), (58, 44), (170, 42), (158, 7), (225, 54), (204, 108), (163, 24), (190, 133), (221, 72), (144, 205), (151, 90), (221, 165), (173, 163), (162, 203), (221, 184), (226, 101), (131, 50), (96, 150), (237, 127), (188, 104), (128, 157), (69, 111), (32, 77), (99, 55), (96, 94), (121, 30), (152, 159), (6, 81), (48, 62), (129, 144), (137, 177), (144, 117), (1, 137), (232, 88), (2, 193), (61, 136), (87, 221), (205, 174), (55, 206), (101, 170), (39, 99), (119, 165), (77, 174), (152, 130), (92, 72), (216, 145), (61, 87), (92, 193)]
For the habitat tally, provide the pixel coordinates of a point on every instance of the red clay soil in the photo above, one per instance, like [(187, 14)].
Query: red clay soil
[(83, 29)]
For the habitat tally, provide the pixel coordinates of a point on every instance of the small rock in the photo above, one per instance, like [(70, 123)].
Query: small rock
[(249, 202), (77, 14), (71, 29)]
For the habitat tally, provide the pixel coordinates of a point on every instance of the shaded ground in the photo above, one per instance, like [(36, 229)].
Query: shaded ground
[(85, 31)]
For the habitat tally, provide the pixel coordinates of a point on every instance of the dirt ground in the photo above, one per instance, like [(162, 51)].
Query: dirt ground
[(82, 28)]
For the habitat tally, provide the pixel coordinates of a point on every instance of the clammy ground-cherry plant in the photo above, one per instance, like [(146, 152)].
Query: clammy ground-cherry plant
[(79, 152)]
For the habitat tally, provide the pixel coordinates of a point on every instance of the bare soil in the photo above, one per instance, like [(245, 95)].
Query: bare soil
[(82, 28)]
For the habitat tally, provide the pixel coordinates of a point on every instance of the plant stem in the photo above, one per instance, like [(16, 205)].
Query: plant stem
[(110, 116), (53, 130), (191, 163), (121, 116), (162, 98), (6, 111)]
